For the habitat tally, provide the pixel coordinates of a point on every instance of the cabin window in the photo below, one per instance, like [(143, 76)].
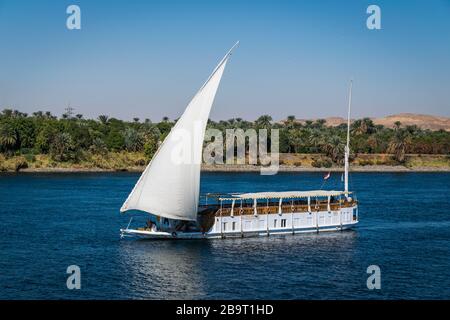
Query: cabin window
[(283, 223), (275, 223), (224, 228), (233, 225)]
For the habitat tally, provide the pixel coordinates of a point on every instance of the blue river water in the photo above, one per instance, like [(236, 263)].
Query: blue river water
[(51, 221)]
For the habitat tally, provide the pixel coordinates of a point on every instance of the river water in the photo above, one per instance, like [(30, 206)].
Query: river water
[(51, 221)]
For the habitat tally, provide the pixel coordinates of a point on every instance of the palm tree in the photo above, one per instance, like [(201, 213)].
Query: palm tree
[(61, 146), (414, 130), (136, 120), (372, 143), (290, 122), (103, 119), (319, 123), (8, 137), (399, 144), (264, 121), (315, 139), (295, 140), (358, 127), (363, 126), (98, 146), (370, 126), (290, 118), (133, 139), (308, 123), (150, 131), (18, 114), (48, 115), (334, 148), (7, 113)]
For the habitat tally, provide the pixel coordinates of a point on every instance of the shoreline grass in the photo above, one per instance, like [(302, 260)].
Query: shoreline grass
[(136, 162)]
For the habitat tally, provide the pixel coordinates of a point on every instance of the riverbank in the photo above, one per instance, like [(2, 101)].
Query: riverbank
[(136, 162), (245, 168), (284, 168)]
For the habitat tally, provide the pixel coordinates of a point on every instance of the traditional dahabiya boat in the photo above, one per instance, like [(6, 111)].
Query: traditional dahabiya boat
[(168, 191)]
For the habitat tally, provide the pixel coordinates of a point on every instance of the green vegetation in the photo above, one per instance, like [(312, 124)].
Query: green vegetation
[(70, 141), (45, 141), (366, 138)]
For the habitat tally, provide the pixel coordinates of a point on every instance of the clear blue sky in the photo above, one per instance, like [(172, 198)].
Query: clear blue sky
[(147, 58)]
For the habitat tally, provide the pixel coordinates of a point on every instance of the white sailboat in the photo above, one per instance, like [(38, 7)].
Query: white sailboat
[(168, 190)]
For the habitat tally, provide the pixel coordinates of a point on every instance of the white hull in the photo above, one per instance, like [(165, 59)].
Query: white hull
[(262, 225)]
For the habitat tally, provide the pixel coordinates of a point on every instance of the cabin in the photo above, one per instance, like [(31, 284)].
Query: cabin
[(278, 212)]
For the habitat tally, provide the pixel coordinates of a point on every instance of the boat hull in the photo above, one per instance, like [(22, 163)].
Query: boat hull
[(197, 235), (262, 225)]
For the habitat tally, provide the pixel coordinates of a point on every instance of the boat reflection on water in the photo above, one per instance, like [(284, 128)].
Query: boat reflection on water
[(164, 269), (236, 268)]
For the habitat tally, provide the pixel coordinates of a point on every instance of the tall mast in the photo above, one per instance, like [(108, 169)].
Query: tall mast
[(347, 147)]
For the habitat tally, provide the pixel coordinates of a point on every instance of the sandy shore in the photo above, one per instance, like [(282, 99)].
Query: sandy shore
[(250, 168)]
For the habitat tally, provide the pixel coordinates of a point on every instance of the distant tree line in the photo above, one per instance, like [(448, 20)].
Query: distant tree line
[(70, 137), (366, 137)]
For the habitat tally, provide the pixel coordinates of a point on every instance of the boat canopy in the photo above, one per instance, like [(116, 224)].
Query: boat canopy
[(285, 195)]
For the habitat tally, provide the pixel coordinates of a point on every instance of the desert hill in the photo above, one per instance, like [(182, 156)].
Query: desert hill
[(421, 120)]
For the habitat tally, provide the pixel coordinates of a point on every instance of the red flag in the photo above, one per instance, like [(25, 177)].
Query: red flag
[(325, 177)]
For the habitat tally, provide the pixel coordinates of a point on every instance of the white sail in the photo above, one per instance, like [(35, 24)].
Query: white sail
[(169, 187)]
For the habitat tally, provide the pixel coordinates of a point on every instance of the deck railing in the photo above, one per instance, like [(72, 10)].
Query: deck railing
[(272, 208)]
